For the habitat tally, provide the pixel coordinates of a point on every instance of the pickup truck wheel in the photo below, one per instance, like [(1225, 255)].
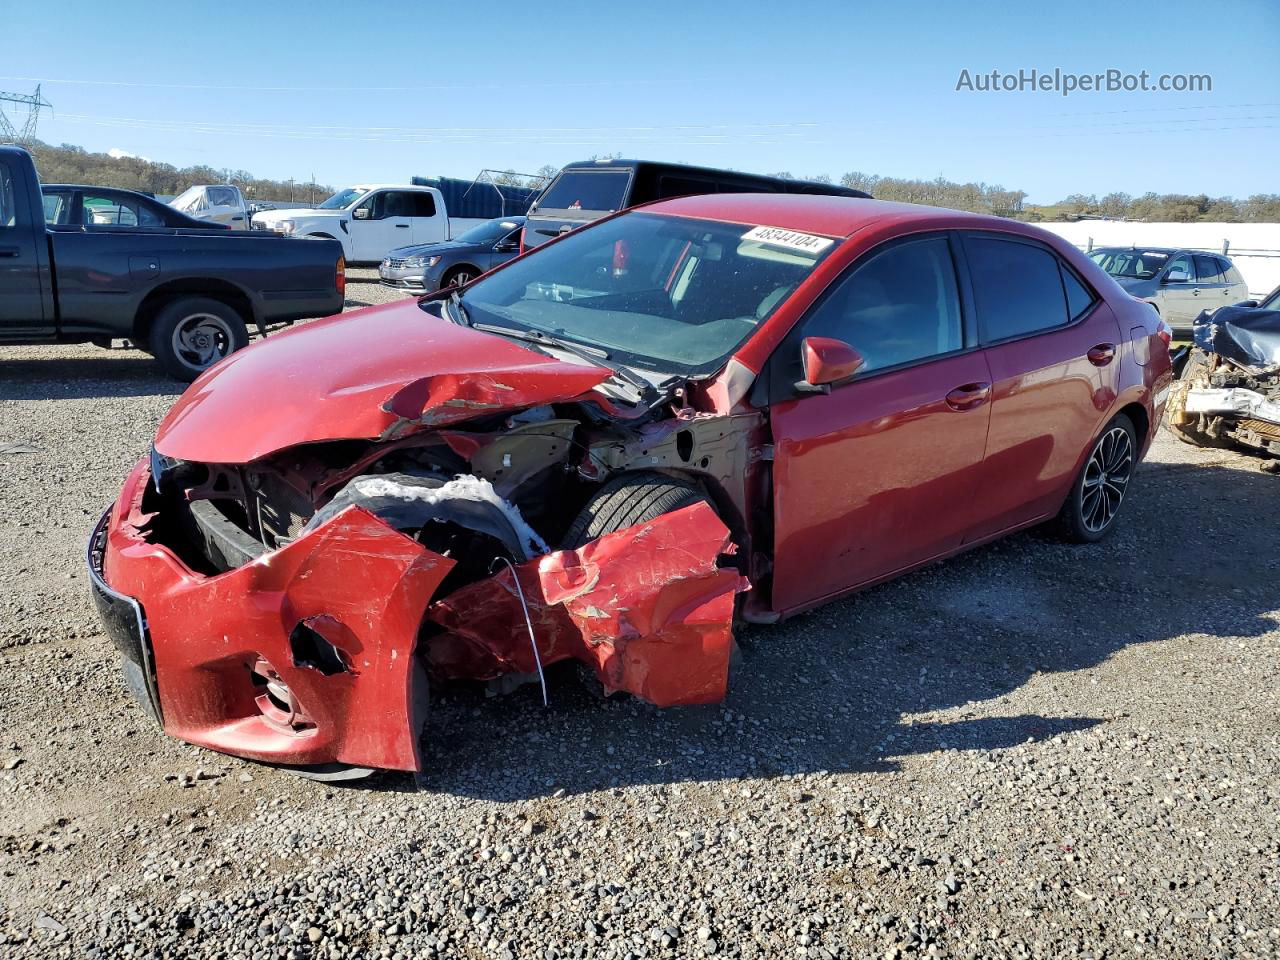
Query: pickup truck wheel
[(192, 334)]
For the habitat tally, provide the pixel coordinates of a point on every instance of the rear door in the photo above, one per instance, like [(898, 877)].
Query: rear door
[(1053, 347), (1213, 289), (881, 473), (22, 270)]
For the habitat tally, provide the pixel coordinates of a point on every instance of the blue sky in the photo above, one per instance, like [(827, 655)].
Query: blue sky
[(375, 92)]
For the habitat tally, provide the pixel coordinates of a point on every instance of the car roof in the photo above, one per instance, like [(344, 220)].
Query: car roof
[(87, 186), (817, 213)]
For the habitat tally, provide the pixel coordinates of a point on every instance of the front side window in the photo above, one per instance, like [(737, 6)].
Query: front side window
[(656, 292), (1017, 288), (223, 197), (1182, 264), (900, 306)]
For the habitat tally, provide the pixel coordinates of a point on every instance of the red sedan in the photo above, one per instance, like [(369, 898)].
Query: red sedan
[(605, 450)]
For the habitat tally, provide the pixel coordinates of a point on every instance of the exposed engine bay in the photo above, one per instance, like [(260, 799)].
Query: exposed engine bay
[(1229, 391)]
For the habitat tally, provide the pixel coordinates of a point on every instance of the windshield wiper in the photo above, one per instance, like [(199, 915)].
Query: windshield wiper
[(593, 355)]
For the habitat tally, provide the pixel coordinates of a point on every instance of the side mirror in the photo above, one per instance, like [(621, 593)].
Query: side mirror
[(360, 213), (826, 361), (1177, 276)]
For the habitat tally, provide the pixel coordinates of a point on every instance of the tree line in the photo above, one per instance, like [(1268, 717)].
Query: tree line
[(72, 164)]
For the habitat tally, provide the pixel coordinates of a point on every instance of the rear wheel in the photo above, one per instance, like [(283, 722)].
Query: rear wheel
[(1094, 502), (193, 333), (630, 499)]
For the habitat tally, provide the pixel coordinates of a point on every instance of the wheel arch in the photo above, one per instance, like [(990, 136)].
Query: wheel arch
[(221, 290)]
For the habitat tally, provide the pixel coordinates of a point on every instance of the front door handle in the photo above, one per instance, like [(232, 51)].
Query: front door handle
[(1195, 292), (9, 251), (1102, 354), (969, 396), (402, 226)]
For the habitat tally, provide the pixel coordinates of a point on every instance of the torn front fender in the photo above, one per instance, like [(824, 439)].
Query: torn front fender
[(647, 608), (304, 656)]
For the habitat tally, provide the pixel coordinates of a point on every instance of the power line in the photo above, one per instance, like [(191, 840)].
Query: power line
[(34, 103)]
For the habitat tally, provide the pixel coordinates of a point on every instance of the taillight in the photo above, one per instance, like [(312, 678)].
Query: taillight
[(1164, 332), (340, 280)]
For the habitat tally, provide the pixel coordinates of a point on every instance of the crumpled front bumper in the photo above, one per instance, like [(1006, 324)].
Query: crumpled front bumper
[(310, 655)]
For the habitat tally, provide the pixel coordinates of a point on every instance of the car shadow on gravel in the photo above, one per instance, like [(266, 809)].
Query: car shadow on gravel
[(907, 667), (116, 373)]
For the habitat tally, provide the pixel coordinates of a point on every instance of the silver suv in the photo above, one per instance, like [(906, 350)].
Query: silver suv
[(1178, 283)]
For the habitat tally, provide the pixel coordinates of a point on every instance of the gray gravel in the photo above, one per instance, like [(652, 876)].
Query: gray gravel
[(1033, 750)]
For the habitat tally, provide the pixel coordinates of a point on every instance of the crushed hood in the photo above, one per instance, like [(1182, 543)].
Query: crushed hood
[(1249, 336), (364, 375)]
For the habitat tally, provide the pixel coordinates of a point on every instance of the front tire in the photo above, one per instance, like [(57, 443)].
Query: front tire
[(1099, 490), (191, 334), (459, 276), (627, 500)]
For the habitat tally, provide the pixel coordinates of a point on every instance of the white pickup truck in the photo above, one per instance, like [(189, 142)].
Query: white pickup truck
[(373, 219)]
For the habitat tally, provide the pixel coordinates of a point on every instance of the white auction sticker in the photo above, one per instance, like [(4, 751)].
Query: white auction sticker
[(776, 236)]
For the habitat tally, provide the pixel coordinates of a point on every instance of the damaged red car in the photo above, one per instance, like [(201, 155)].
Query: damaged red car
[(706, 409)]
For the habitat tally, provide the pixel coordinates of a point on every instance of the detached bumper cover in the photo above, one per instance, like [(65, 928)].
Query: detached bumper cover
[(335, 618)]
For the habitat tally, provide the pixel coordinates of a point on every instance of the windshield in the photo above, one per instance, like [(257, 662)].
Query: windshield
[(488, 231), (187, 198), (343, 199), (1272, 302), (1130, 264), (594, 191), (656, 292)]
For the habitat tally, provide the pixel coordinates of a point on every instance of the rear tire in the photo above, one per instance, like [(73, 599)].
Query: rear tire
[(1099, 490), (627, 500), (191, 334)]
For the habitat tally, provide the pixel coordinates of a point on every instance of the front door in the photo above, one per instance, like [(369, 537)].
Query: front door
[(385, 226), (22, 275), (881, 473)]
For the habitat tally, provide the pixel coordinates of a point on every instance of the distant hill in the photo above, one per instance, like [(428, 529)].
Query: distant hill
[(71, 164)]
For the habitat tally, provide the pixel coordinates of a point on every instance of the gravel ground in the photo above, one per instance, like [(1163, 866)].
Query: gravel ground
[(1033, 750)]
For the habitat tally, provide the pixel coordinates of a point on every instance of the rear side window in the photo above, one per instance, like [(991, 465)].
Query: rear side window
[(1018, 288), (422, 205), (597, 191), (1209, 270), (900, 306), (1079, 297), (8, 202), (1231, 273)]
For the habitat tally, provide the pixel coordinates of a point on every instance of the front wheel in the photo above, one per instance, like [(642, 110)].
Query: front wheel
[(1099, 490), (459, 277), (193, 333)]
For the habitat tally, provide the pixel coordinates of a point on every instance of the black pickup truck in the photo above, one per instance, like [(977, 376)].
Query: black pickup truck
[(185, 295)]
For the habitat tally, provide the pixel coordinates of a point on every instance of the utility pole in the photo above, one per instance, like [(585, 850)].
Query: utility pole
[(8, 132)]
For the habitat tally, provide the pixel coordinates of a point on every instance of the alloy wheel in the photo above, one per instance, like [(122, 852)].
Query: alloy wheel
[(201, 339), (1106, 478)]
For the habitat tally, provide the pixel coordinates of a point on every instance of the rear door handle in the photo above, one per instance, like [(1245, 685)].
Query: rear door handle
[(8, 251), (1102, 354), (402, 226), (969, 396)]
